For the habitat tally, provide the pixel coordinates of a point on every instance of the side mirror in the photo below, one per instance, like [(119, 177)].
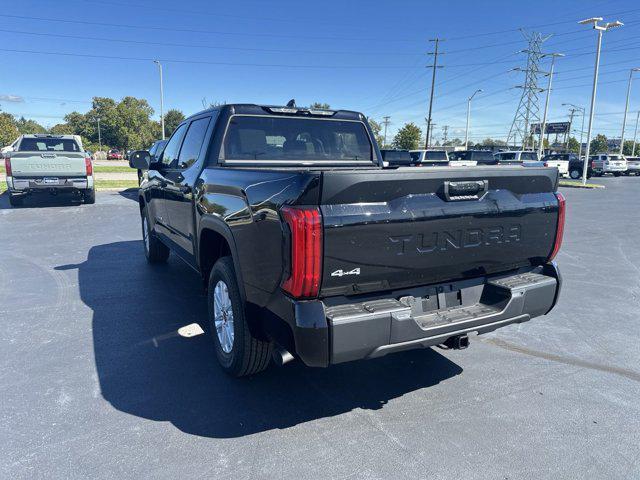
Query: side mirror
[(140, 160)]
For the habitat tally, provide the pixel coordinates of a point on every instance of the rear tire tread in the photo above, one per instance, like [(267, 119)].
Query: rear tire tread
[(250, 355)]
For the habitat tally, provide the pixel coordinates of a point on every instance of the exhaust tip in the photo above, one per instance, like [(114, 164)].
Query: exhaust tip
[(281, 356)]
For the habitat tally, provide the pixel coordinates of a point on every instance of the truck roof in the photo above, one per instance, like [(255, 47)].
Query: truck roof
[(48, 135), (255, 109)]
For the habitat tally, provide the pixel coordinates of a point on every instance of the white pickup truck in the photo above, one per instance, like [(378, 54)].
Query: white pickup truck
[(49, 164)]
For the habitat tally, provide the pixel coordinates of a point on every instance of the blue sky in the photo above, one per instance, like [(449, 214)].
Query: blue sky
[(361, 55)]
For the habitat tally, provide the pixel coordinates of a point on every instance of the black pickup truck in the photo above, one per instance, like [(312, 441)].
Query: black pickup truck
[(311, 249)]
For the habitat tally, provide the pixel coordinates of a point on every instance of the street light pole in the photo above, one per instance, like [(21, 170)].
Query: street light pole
[(635, 135), (600, 29), (466, 132), (626, 108), (546, 103), (157, 62)]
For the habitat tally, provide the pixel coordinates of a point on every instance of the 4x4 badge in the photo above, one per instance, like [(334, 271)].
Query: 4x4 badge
[(341, 273)]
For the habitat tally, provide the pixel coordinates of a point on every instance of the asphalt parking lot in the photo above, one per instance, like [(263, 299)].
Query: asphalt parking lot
[(96, 382)]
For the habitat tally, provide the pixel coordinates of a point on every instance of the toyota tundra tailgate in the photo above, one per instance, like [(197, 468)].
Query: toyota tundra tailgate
[(390, 229)]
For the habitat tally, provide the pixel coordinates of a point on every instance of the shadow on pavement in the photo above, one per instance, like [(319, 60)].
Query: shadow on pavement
[(146, 369), (42, 200), (129, 194)]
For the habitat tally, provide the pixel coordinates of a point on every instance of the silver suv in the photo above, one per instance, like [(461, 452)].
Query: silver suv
[(607, 163)]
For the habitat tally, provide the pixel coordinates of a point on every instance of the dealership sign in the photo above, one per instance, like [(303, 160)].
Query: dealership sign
[(558, 127)]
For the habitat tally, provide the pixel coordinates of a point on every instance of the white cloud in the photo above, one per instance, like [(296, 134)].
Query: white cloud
[(11, 98)]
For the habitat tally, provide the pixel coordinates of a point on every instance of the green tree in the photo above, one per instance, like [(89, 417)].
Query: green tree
[(320, 106), (574, 145), (490, 142), (29, 126), (454, 142), (376, 128), (628, 147), (599, 145), (171, 121), (61, 129), (408, 137), (126, 124), (8, 129), (133, 126)]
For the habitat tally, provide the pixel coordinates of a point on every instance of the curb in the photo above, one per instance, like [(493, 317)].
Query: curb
[(588, 186)]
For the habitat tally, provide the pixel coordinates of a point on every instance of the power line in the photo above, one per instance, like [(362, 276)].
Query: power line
[(202, 62), (207, 46), (534, 27), (172, 28)]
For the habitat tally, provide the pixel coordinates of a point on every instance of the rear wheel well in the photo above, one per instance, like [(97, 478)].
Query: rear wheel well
[(211, 247), (141, 204)]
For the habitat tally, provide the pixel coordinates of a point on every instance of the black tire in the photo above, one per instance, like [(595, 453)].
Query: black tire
[(154, 249), (90, 196), (617, 174), (15, 200), (247, 354), (575, 174)]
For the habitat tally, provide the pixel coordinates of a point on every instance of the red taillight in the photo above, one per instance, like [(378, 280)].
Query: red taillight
[(559, 227), (305, 225), (89, 166), (7, 166), (593, 165)]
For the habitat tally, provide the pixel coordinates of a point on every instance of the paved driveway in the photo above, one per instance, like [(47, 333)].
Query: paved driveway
[(95, 381)]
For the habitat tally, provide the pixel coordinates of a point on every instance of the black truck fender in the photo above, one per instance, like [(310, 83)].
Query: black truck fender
[(217, 225)]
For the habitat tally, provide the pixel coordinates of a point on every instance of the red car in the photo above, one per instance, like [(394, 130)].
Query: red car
[(114, 154)]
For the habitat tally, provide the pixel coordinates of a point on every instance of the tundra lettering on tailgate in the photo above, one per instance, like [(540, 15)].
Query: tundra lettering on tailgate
[(424, 243)]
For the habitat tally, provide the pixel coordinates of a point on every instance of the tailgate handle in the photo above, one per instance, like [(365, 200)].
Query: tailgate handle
[(473, 190)]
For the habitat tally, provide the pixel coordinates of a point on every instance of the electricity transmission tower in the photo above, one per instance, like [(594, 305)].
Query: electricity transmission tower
[(445, 131), (528, 111)]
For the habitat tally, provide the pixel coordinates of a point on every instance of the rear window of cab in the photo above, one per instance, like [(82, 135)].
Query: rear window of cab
[(294, 140)]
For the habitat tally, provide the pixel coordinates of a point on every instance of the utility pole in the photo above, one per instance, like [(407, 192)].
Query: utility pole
[(99, 137), (626, 108), (572, 112), (428, 139), (543, 127), (582, 112), (635, 135), (386, 124), (445, 130), (157, 62), (466, 131), (435, 65), (599, 29)]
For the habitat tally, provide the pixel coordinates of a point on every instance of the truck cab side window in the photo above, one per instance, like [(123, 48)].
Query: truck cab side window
[(193, 142), (170, 153)]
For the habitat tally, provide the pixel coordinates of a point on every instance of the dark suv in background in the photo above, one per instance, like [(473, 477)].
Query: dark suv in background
[(576, 164), (481, 157)]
